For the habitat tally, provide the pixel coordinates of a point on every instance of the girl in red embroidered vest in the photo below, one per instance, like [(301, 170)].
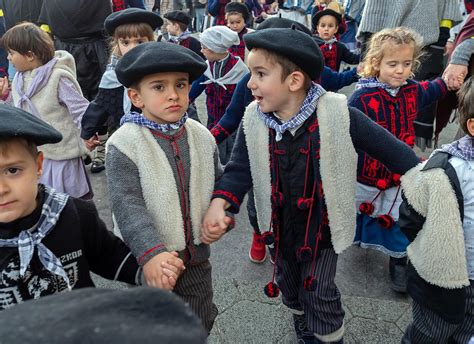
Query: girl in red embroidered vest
[(236, 15), (388, 96)]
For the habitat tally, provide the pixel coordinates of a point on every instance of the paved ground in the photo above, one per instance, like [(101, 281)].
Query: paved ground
[(374, 313)]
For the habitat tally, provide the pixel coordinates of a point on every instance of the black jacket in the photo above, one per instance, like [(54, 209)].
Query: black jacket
[(17, 11), (449, 304)]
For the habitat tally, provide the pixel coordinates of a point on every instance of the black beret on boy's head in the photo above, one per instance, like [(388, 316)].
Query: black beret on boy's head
[(129, 16), (326, 12), (292, 44), (239, 8), (283, 23), (158, 57), (93, 315), (178, 16), (16, 123)]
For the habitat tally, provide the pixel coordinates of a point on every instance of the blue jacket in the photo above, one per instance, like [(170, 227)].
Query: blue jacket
[(135, 3)]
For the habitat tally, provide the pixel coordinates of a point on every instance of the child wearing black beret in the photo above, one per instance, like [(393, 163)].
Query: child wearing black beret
[(237, 15), (162, 167), (127, 28), (177, 27), (296, 147), (49, 241), (326, 24)]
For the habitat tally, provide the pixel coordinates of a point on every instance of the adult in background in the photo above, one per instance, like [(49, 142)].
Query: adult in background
[(77, 27), (432, 19)]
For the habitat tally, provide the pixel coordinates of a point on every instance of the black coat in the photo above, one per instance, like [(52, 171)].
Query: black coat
[(449, 304), (17, 11)]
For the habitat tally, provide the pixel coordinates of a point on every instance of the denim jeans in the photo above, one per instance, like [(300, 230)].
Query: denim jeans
[(200, 13)]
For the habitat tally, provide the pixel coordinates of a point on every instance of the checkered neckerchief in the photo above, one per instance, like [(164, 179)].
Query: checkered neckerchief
[(374, 82), (28, 239), (307, 109), (135, 117)]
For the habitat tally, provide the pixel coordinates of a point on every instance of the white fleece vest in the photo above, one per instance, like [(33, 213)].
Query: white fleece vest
[(159, 185), (438, 251), (338, 166), (51, 111)]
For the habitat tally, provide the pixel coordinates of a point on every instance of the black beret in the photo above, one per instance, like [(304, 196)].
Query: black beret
[(179, 16), (293, 44), (238, 7), (283, 23), (16, 123), (158, 57), (326, 12), (92, 315), (131, 15)]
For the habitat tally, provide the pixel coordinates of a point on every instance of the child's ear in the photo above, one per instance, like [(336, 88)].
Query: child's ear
[(376, 64), (30, 56), (470, 126), (135, 98), (39, 164), (296, 81)]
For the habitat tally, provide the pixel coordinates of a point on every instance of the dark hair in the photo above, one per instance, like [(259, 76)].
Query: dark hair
[(287, 66), (466, 104), (30, 146), (130, 30), (28, 38)]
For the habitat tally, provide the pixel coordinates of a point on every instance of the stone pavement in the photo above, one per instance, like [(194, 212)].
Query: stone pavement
[(374, 313)]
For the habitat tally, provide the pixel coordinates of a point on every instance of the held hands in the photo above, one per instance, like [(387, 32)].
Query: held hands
[(162, 271), (454, 76), (92, 142), (4, 87), (215, 222)]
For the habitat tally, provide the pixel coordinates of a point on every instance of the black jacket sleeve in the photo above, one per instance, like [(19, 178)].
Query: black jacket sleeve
[(409, 220), (348, 56), (107, 255)]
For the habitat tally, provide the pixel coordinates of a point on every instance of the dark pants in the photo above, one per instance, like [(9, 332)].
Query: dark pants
[(322, 307), (91, 55), (194, 286), (429, 328)]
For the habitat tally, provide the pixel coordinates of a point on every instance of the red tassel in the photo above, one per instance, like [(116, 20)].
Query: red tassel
[(268, 238), (304, 203), (271, 289), (396, 178), (382, 184), (385, 221), (366, 208), (309, 283), (304, 254), (277, 198)]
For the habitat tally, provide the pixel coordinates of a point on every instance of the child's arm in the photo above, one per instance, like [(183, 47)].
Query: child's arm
[(234, 112), (71, 97), (334, 81), (197, 88), (348, 56), (430, 92), (409, 220), (380, 144)]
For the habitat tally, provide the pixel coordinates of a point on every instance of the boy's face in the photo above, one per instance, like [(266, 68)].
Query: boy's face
[(327, 27), (127, 44), (19, 174), (173, 28), (211, 55), (22, 63), (235, 22), (163, 97), (396, 64), (266, 84)]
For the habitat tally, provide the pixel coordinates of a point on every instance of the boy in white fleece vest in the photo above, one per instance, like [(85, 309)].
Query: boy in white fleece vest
[(162, 168), (437, 216)]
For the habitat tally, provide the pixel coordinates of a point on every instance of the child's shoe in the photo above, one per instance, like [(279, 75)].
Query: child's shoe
[(398, 274), (258, 251), (303, 335), (98, 163)]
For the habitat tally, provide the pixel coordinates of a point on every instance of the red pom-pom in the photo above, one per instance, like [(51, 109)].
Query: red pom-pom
[(385, 221), (309, 283), (271, 290), (410, 140), (396, 178), (304, 203), (277, 199), (382, 184), (268, 238), (304, 254), (366, 208)]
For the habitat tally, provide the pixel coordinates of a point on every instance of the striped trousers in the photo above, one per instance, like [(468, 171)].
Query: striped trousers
[(322, 308), (429, 328), (194, 286)]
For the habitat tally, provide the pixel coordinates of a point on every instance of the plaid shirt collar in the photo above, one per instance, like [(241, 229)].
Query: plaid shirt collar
[(462, 148), (136, 118), (30, 238), (306, 110)]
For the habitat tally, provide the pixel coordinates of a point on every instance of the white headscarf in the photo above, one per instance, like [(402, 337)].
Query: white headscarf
[(219, 38)]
